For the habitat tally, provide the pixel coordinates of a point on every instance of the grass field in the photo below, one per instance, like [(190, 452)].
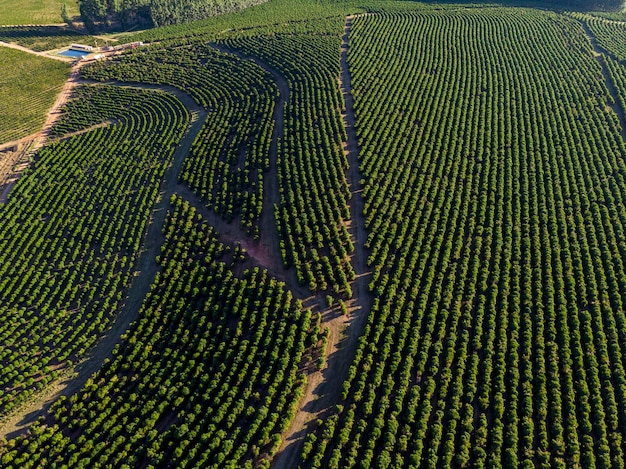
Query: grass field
[(27, 90), (16, 12)]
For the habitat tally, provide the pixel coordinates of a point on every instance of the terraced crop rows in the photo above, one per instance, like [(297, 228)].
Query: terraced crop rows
[(70, 235), (313, 209), (494, 178), (611, 35), (230, 156), (43, 38), (207, 377)]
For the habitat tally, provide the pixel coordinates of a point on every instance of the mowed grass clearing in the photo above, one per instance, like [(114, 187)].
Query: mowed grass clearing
[(17, 12), (28, 87)]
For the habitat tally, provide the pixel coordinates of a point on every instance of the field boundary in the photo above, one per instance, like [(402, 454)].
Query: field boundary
[(323, 386), (30, 51), (38, 139)]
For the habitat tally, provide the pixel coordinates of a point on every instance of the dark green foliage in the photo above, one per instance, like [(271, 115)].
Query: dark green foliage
[(610, 34), (91, 105), (41, 38), (65, 15), (127, 13), (207, 377), (228, 158), (495, 190), (70, 235), (166, 12), (313, 210), (264, 19)]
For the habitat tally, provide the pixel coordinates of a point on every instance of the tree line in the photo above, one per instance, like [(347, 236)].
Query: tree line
[(108, 14)]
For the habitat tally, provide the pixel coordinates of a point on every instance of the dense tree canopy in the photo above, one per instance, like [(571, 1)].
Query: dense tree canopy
[(126, 13)]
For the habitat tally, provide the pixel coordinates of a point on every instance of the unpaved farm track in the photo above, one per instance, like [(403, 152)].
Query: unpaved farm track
[(230, 234), (9, 174), (271, 195), (30, 51), (323, 387), (323, 390), (38, 139)]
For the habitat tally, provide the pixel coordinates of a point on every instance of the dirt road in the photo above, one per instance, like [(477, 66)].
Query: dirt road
[(269, 243), (40, 54), (10, 171), (323, 389)]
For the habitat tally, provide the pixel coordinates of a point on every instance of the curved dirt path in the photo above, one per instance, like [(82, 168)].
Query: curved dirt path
[(323, 389), (145, 268), (40, 54), (268, 242), (599, 55), (230, 234)]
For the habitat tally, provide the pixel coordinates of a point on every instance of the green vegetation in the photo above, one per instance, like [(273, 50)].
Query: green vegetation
[(264, 19), (42, 38), (495, 183), (618, 75), (15, 12), (99, 13), (28, 89), (92, 105), (208, 376), (70, 235), (611, 35), (230, 155)]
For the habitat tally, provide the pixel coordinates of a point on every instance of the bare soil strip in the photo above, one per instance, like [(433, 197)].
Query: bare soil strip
[(72, 380), (269, 243), (232, 235), (39, 139), (323, 387), (13, 161), (61, 98), (323, 390), (599, 55), (40, 54), (146, 269)]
